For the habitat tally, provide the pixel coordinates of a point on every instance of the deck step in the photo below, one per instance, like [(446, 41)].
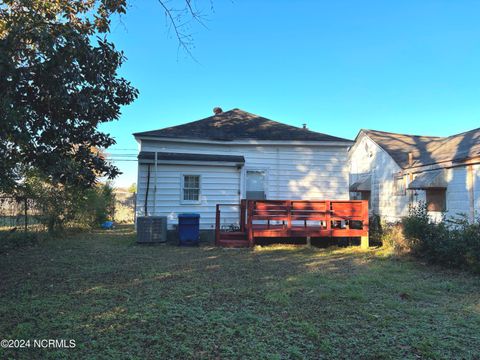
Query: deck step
[(237, 235), (236, 239), (233, 243)]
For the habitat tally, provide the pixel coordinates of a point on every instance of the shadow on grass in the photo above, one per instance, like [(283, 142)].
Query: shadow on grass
[(278, 301)]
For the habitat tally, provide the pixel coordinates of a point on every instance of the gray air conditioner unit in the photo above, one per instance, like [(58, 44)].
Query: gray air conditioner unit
[(151, 229)]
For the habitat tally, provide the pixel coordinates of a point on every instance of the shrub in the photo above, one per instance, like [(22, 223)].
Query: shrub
[(453, 243), (394, 239), (97, 205), (63, 205), (388, 235)]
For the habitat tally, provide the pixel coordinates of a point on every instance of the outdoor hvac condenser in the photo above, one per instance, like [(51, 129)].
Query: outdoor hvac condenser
[(151, 229)]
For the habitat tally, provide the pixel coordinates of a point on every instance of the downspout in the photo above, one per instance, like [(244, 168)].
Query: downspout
[(146, 191)]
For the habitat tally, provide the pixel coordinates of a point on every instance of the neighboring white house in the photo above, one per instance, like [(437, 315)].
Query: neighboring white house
[(235, 155), (395, 170)]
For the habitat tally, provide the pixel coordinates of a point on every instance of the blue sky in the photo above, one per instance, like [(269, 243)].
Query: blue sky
[(405, 66)]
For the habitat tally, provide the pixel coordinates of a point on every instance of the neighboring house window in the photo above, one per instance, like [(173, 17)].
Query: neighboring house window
[(191, 188), (399, 185), (436, 200)]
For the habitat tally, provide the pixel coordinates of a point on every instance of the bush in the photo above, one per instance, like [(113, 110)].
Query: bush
[(453, 243), (388, 235), (63, 205), (394, 239), (97, 205)]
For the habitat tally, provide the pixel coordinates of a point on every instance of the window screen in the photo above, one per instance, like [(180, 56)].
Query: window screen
[(436, 200), (191, 187)]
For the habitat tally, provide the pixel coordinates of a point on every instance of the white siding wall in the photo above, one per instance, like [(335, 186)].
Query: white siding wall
[(391, 207), (457, 196), (368, 158), (218, 185), (293, 172), (476, 188), (457, 192)]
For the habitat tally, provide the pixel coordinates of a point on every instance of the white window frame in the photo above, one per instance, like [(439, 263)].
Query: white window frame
[(182, 186), (265, 170)]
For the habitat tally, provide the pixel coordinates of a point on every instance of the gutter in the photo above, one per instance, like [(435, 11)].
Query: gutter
[(248, 142)]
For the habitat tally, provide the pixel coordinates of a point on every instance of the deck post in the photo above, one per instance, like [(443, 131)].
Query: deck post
[(249, 222), (309, 242), (365, 240), (289, 217), (328, 221), (242, 215)]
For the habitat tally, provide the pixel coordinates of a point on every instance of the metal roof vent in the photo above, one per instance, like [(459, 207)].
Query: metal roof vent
[(217, 110)]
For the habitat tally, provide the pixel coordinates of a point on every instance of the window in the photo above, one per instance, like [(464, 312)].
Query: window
[(436, 200), (256, 185), (191, 188), (399, 186)]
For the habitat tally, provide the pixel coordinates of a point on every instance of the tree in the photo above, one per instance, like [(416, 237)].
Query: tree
[(132, 188), (56, 86), (58, 82)]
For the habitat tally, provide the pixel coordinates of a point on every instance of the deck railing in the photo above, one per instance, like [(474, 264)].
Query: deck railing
[(300, 218)]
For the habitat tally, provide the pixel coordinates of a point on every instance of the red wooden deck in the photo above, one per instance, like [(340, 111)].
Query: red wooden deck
[(294, 218)]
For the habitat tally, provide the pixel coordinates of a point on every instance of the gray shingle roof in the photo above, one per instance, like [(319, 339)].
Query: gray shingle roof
[(427, 150), (237, 124)]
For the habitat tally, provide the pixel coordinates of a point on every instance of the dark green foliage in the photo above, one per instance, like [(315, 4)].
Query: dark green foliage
[(452, 243), (58, 83), (97, 205), (67, 205), (375, 230)]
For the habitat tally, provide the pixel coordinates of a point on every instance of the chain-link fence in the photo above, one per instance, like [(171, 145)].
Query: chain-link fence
[(24, 214), (124, 211), (20, 214)]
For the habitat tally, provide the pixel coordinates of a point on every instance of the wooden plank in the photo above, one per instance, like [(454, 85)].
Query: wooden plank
[(270, 213), (342, 209), (326, 212), (348, 232), (242, 214), (289, 218), (311, 206), (273, 218), (249, 222), (309, 217)]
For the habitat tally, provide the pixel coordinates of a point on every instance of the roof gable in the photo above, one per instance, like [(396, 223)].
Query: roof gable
[(237, 124), (427, 150)]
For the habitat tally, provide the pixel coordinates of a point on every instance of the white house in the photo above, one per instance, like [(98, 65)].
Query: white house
[(395, 170), (234, 155)]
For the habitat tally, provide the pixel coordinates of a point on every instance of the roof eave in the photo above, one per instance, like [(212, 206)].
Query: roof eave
[(343, 143)]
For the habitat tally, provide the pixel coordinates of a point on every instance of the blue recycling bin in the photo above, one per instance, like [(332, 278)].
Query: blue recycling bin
[(189, 229)]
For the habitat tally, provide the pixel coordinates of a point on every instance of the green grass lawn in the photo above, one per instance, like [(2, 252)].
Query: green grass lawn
[(120, 300)]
